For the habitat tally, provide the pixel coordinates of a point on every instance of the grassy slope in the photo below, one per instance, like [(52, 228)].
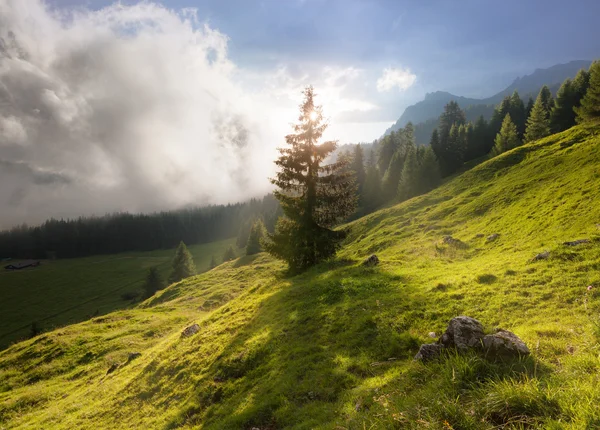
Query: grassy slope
[(66, 291), (333, 348)]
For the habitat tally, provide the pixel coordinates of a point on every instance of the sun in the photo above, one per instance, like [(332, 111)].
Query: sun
[(313, 116)]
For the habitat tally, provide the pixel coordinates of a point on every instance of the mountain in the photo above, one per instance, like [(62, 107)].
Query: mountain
[(334, 346), (429, 110)]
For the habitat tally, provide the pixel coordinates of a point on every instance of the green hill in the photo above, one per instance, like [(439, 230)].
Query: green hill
[(333, 348)]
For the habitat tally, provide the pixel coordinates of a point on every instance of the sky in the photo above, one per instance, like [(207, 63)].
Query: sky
[(148, 106)]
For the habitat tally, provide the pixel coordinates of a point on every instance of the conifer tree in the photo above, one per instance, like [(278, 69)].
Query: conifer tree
[(518, 113), (213, 263), (529, 107), (581, 84), (372, 189), (387, 149), (478, 144), (429, 175), (229, 254), (538, 124), (590, 103), (255, 238), (358, 167), (507, 138), (449, 149), (153, 282), (547, 100), (183, 264), (562, 116), (314, 197), (409, 180)]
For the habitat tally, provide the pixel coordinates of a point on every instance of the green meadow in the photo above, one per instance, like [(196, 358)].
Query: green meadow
[(61, 292), (333, 348)]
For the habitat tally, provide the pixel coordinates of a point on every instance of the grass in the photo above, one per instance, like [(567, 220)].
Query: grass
[(61, 292), (332, 348)]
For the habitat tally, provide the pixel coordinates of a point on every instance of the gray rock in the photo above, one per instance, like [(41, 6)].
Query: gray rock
[(191, 330), (542, 256), (432, 334), (372, 261), (492, 237), (462, 333), (429, 351), (457, 243), (504, 344), (479, 235), (112, 368), (133, 355), (576, 242)]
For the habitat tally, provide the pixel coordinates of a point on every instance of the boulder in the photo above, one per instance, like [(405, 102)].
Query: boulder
[(542, 256), (112, 368), (191, 330), (576, 242), (479, 235), (429, 351), (462, 333), (457, 243), (133, 355), (504, 344), (372, 261), (492, 237), (432, 335)]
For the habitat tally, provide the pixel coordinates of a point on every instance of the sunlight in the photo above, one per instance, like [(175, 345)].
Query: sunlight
[(313, 116)]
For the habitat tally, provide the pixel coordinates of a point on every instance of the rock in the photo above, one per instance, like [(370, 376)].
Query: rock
[(191, 330), (112, 368), (479, 236), (457, 243), (542, 256), (504, 344), (429, 351), (372, 261), (492, 237), (432, 335), (133, 355), (462, 333), (576, 242)]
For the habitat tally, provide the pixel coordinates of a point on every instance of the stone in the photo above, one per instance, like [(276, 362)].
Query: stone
[(492, 237), (133, 355), (112, 368), (576, 242), (504, 344), (462, 333), (542, 256), (457, 243), (191, 330), (432, 334), (429, 351), (479, 235), (372, 261)]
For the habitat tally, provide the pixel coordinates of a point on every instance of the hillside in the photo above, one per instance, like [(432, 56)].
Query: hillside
[(425, 113), (334, 347)]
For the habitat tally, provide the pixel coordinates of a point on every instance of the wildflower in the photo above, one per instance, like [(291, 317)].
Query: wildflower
[(589, 288)]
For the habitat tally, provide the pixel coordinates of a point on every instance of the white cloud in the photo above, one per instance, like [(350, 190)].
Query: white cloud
[(12, 131), (392, 77)]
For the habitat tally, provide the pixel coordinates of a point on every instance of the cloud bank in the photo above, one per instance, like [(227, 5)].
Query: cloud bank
[(392, 78), (126, 108)]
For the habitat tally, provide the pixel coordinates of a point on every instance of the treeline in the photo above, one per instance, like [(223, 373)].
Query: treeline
[(399, 169), (123, 232)]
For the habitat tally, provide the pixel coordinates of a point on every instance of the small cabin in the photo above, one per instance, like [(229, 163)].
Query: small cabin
[(22, 265)]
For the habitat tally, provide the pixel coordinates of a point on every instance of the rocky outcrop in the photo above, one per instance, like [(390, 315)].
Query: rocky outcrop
[(492, 237), (191, 330), (451, 241), (542, 256), (466, 334), (462, 333), (372, 261)]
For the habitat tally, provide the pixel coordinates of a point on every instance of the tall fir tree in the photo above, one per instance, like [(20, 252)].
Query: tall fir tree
[(449, 150), (562, 116), (229, 254), (581, 84), (257, 233), (153, 282), (429, 175), (358, 168), (589, 111), (538, 124), (372, 189), (529, 106), (547, 100), (314, 196), (479, 143), (518, 113), (409, 180), (507, 137), (183, 264), (386, 150)]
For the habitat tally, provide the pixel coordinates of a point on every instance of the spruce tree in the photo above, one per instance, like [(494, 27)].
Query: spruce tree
[(255, 238), (372, 189), (213, 263), (408, 186), (518, 114), (547, 100), (562, 116), (507, 138), (590, 104), (429, 175), (387, 148), (358, 168), (183, 264), (449, 149), (153, 282), (538, 124), (529, 107), (314, 196), (229, 254)]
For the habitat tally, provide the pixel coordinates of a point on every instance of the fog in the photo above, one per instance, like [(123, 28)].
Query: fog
[(134, 108)]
